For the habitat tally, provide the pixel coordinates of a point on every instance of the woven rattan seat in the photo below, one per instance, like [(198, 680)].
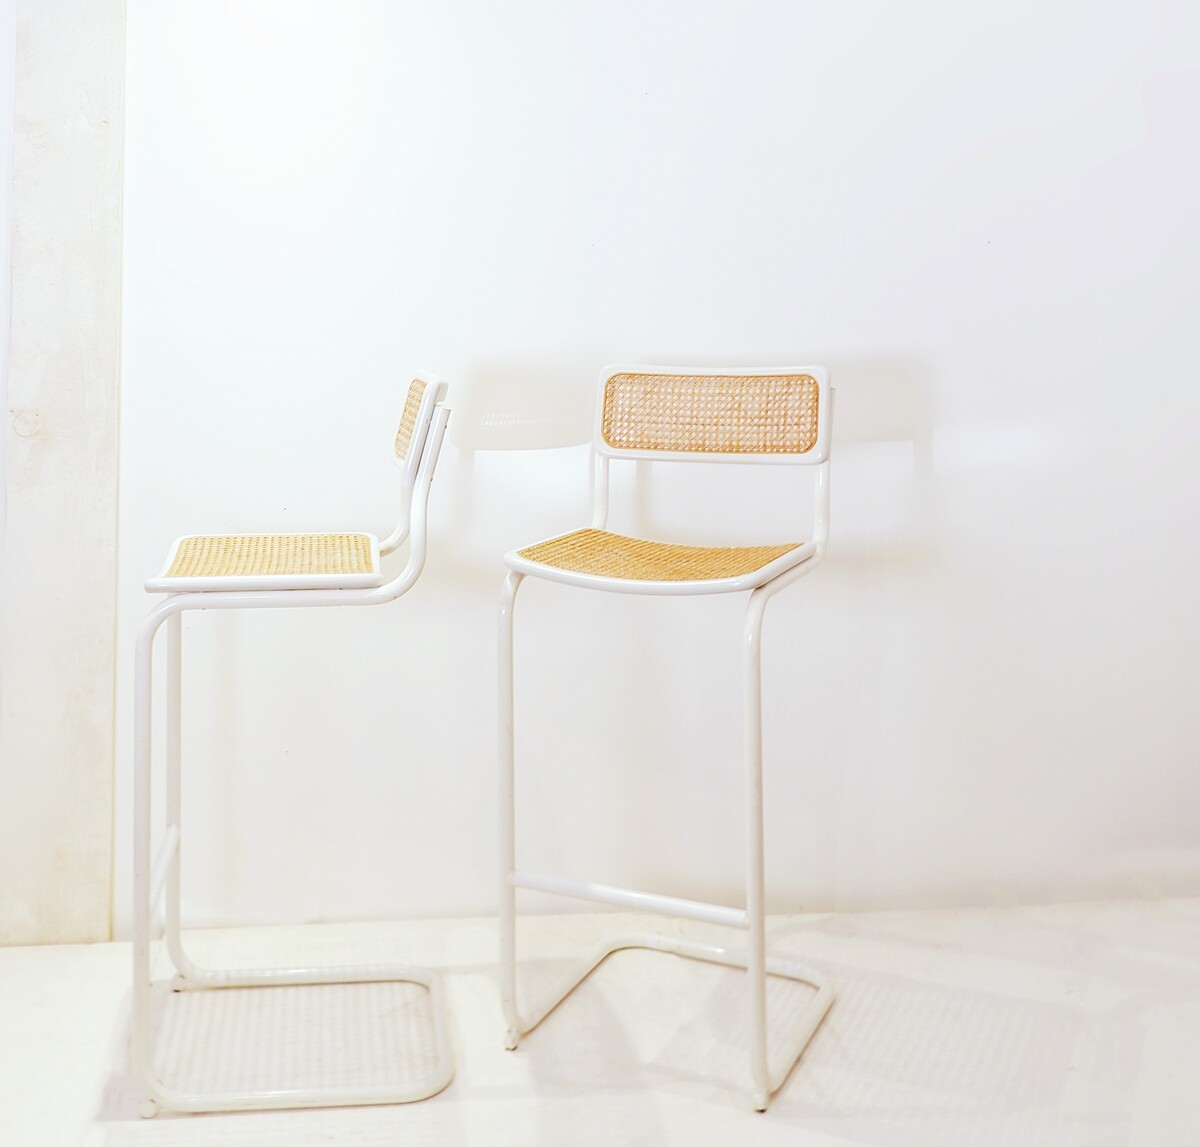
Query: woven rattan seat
[(602, 554), (285, 561)]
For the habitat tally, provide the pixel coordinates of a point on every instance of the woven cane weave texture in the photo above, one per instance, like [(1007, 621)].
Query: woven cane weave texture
[(634, 559), (408, 418), (271, 555), (711, 414)]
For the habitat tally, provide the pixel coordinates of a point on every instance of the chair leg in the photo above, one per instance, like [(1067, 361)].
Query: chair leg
[(174, 802), (142, 909), (756, 967), (187, 972), (508, 850)]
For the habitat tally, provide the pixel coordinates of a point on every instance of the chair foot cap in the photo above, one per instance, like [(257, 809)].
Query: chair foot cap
[(148, 1109)]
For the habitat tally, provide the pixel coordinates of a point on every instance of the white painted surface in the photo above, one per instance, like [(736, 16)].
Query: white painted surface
[(1064, 1024), (8, 67), (982, 219), (57, 592)]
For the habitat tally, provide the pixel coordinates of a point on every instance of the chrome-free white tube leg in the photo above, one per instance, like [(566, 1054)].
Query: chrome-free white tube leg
[(756, 968), (188, 972), (508, 849), (142, 906), (174, 803)]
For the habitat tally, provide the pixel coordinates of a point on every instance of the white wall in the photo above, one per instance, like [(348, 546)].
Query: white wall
[(58, 577), (8, 67), (982, 218)]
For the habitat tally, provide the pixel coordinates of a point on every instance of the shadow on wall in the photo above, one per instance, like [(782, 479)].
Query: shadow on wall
[(882, 482), (538, 406), (522, 406), (882, 400), (518, 469)]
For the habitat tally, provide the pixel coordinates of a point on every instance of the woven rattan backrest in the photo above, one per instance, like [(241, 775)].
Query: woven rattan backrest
[(408, 420), (424, 393), (727, 415)]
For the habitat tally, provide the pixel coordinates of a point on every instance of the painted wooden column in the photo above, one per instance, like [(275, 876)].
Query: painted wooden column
[(57, 655)]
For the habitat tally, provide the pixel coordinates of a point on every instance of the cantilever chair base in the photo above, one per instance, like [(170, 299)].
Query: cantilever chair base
[(436, 1079), (799, 1036), (161, 883)]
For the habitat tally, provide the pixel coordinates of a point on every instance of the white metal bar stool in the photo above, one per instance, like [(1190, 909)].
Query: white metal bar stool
[(268, 571), (681, 415)]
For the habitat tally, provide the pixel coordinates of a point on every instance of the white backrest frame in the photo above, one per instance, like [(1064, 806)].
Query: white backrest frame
[(434, 393), (818, 455), (812, 457)]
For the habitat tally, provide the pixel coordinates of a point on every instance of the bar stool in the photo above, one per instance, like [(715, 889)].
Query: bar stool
[(268, 571), (669, 414)]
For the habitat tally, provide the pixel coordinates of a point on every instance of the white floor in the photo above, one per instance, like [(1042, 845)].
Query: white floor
[(1055, 1026)]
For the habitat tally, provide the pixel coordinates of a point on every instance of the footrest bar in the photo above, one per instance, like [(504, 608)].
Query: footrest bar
[(630, 898)]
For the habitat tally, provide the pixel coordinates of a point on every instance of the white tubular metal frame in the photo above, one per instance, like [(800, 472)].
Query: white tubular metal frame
[(156, 876), (766, 1079), (435, 392)]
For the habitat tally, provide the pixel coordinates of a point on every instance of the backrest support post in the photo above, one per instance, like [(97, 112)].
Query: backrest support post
[(424, 393), (599, 478)]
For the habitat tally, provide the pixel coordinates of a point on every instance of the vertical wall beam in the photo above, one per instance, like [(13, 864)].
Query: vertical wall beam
[(58, 601)]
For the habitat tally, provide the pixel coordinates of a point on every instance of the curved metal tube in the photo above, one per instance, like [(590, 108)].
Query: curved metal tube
[(508, 854)]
